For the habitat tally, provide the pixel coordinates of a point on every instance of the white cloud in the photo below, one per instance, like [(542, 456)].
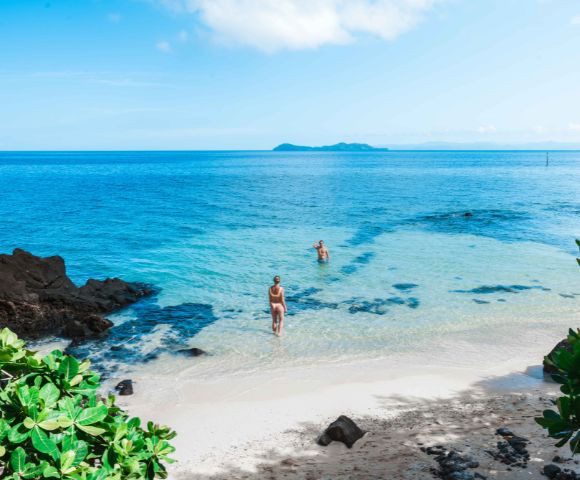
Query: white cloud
[(487, 129), (272, 25), (575, 20), (163, 46), (575, 127)]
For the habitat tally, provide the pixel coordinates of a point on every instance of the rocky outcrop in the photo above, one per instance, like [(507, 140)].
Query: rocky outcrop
[(344, 430), (38, 298), (125, 387), (548, 367)]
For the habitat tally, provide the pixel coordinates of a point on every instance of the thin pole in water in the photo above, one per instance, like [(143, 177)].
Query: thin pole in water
[(547, 158)]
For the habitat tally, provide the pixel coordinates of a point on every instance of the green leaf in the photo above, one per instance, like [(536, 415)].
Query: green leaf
[(42, 442), (66, 461), (135, 422), (121, 432), (563, 442), (92, 415), (4, 428), (68, 406), (23, 393), (9, 339), (84, 366), (33, 471), (69, 367), (18, 460), (2, 451), (18, 433), (29, 423), (81, 451), (50, 472), (64, 422), (49, 394), (49, 425), (94, 431), (69, 442), (551, 416), (76, 380)]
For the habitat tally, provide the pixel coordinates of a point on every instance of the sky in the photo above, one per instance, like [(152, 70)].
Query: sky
[(250, 74)]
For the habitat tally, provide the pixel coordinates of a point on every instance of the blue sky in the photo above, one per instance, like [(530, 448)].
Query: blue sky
[(229, 74)]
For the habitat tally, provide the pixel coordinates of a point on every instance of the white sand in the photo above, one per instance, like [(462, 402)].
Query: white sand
[(237, 423)]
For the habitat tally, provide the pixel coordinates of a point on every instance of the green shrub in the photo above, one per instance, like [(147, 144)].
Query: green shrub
[(564, 424), (53, 424)]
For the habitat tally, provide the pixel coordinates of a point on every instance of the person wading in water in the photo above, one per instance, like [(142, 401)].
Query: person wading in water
[(277, 306), (323, 253)]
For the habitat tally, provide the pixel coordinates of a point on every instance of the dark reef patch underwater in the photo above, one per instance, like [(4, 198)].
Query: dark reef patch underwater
[(302, 300), (502, 224), (126, 341), (380, 306), (491, 289)]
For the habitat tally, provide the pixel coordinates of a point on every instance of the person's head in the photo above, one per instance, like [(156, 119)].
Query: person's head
[(321, 242), (277, 280)]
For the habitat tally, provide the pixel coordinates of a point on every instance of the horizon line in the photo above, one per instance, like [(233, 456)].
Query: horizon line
[(384, 150)]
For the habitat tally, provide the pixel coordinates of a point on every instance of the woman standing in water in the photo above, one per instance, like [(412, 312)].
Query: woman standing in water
[(277, 306)]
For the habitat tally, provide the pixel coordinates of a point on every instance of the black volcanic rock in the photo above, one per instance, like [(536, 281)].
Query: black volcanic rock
[(339, 147), (37, 298), (125, 387), (344, 430)]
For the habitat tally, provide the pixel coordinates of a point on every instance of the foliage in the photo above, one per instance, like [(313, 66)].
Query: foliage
[(53, 424), (564, 424)]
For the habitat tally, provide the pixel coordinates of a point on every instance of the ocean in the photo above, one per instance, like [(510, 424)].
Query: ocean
[(425, 246)]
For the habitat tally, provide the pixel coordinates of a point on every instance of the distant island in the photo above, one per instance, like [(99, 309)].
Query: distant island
[(339, 147)]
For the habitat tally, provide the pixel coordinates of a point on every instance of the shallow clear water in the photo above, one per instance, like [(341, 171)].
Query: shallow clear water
[(210, 229)]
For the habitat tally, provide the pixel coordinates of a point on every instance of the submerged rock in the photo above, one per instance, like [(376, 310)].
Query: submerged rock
[(344, 430), (125, 387), (192, 352), (38, 298)]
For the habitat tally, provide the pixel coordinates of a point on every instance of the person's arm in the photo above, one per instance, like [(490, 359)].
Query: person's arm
[(315, 246), (284, 302), (269, 298), (328, 254)]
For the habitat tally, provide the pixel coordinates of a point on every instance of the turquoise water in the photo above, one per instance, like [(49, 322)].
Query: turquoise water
[(211, 229)]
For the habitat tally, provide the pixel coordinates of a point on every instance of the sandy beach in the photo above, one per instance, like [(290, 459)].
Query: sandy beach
[(265, 425)]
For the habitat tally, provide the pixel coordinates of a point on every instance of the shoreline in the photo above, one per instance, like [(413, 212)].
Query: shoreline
[(233, 424)]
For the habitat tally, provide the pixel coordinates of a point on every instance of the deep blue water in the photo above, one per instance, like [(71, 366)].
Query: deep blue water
[(211, 229)]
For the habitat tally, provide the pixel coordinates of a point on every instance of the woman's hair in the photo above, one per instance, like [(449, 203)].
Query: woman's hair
[(277, 279)]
